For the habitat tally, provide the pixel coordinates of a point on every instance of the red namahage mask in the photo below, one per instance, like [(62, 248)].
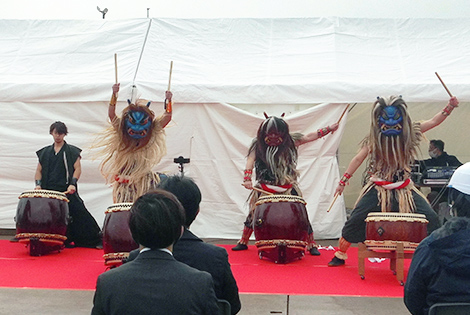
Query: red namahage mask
[(273, 139)]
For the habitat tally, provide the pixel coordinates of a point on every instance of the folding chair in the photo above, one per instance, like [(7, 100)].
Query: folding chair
[(224, 307), (450, 309)]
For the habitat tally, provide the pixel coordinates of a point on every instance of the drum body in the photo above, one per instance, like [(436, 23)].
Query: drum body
[(384, 229), (117, 237), (41, 219), (281, 227)]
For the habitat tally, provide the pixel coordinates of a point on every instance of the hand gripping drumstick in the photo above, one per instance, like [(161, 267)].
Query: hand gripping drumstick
[(443, 84), (168, 103), (115, 68), (261, 190), (169, 79), (333, 202)]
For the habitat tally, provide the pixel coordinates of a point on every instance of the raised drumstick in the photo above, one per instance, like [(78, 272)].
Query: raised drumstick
[(344, 112), (169, 79), (115, 68), (443, 84)]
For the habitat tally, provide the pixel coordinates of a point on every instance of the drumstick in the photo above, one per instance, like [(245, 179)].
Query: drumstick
[(169, 79), (115, 68), (344, 112), (261, 190), (443, 84), (333, 202)]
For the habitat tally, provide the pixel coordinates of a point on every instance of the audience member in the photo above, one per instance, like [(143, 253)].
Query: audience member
[(155, 282), (192, 251), (440, 269)]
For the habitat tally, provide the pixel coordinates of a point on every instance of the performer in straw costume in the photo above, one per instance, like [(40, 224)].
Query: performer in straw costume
[(132, 146), (391, 148), (273, 154)]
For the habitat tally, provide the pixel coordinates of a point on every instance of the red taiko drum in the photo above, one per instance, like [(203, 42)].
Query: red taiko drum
[(384, 229), (281, 227), (41, 220), (117, 237)]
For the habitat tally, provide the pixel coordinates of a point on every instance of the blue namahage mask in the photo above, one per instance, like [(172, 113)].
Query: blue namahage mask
[(138, 124), (390, 121)]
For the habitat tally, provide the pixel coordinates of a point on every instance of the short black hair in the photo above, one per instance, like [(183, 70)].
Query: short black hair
[(187, 192), (460, 203), (60, 127), (438, 144), (156, 219)]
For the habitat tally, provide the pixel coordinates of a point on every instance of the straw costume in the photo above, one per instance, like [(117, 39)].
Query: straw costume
[(390, 149), (273, 154), (132, 146)]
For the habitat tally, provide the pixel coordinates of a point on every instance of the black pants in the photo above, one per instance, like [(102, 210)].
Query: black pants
[(354, 230), (82, 228)]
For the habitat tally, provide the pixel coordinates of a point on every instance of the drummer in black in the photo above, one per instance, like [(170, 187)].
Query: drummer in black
[(59, 169)]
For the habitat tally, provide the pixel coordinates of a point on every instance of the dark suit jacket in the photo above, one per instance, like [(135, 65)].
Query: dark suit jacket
[(192, 251), (154, 283)]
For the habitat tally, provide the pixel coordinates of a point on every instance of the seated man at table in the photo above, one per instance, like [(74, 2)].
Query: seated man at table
[(440, 269), (439, 158), (155, 282), (192, 251)]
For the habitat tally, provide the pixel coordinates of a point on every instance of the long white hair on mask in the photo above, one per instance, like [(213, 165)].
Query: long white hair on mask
[(270, 157), (393, 153), (390, 157), (271, 151)]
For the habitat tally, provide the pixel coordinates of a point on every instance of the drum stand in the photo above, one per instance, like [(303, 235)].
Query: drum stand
[(38, 248), (396, 255), (392, 235), (281, 251)]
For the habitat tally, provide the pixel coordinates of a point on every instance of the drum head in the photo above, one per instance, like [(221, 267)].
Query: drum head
[(44, 213)]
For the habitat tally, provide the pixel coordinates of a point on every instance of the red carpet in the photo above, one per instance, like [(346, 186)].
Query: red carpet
[(312, 276), (78, 268), (73, 269)]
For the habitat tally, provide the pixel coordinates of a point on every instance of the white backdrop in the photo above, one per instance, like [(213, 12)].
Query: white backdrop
[(254, 61), (64, 70), (214, 136)]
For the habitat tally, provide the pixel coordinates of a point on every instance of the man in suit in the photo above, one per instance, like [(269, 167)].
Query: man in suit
[(155, 282), (192, 251)]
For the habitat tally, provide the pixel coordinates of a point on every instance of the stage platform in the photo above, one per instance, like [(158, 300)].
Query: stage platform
[(77, 302)]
